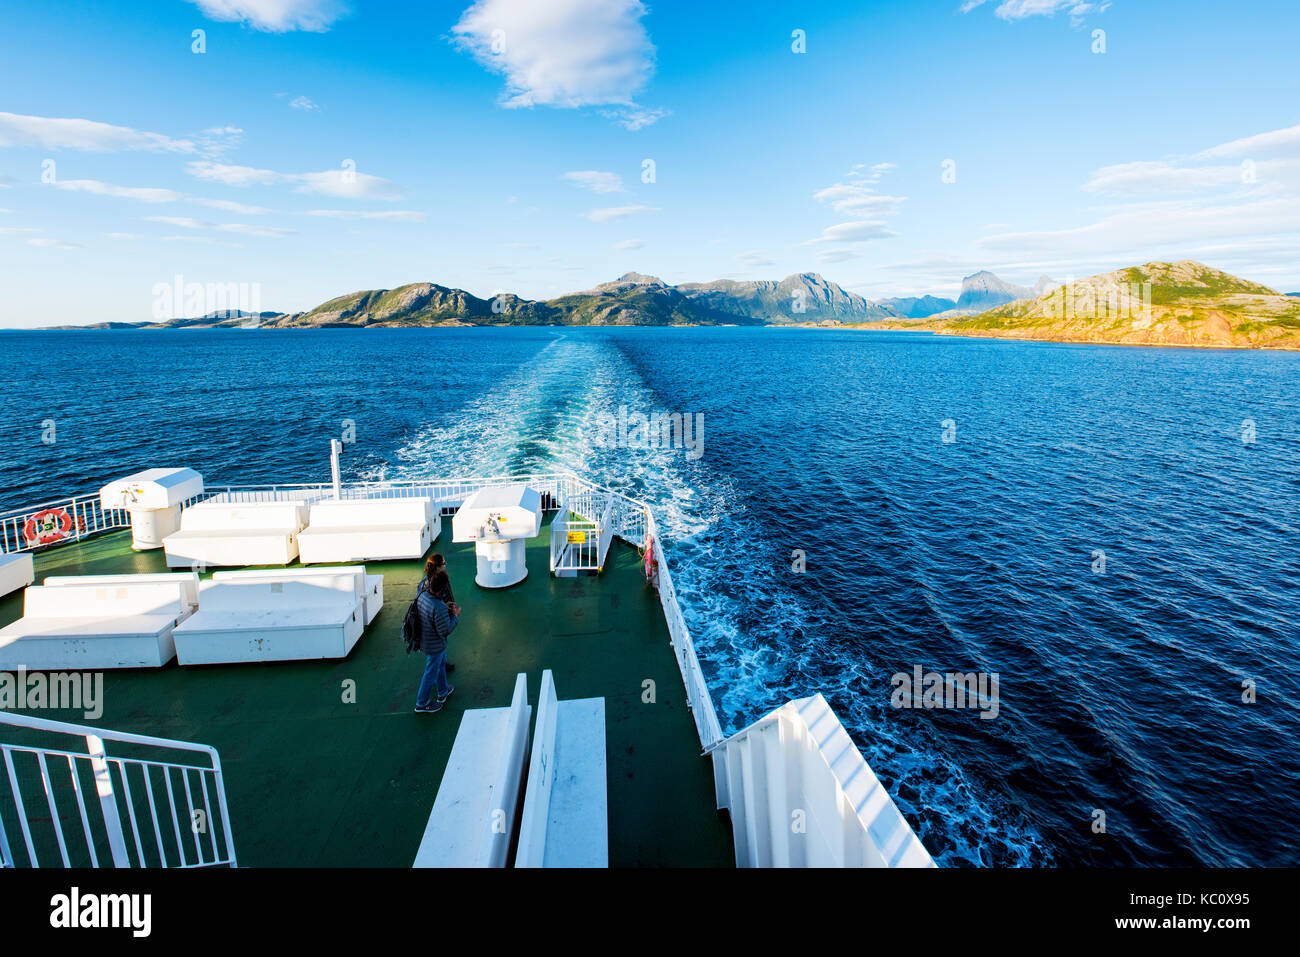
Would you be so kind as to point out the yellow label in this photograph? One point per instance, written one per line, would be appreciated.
(577, 538)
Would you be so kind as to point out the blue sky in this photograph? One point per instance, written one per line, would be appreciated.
(513, 160)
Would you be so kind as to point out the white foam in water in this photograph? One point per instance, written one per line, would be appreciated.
(542, 417)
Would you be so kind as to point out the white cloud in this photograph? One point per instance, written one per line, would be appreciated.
(219, 140)
(1174, 208)
(564, 53)
(154, 194)
(1020, 9)
(1143, 226)
(341, 183)
(53, 244)
(52, 133)
(837, 255)
(628, 244)
(850, 198)
(206, 240)
(396, 215)
(307, 104)
(1146, 176)
(11, 230)
(596, 180)
(275, 16)
(145, 194)
(270, 232)
(611, 213)
(230, 206)
(1261, 143)
(755, 260)
(636, 118)
(863, 230)
(187, 222)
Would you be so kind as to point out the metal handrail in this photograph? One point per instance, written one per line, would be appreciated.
(113, 830)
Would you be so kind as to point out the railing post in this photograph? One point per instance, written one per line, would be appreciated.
(220, 786)
(107, 800)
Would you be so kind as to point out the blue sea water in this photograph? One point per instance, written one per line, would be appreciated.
(1119, 692)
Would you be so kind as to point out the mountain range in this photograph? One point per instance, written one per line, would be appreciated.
(1159, 303)
(1185, 303)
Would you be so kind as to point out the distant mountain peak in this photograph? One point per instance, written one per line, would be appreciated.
(984, 290)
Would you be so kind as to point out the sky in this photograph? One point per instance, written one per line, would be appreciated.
(305, 149)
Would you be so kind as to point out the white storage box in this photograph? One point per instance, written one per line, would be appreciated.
(188, 582)
(240, 621)
(214, 534)
(93, 627)
(17, 570)
(369, 589)
(359, 530)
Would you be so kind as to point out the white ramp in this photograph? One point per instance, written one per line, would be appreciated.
(801, 795)
(565, 821)
(473, 817)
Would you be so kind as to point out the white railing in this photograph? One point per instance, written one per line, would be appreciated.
(621, 516)
(185, 800)
(697, 689)
(582, 531)
(66, 520)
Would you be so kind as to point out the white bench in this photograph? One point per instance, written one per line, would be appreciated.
(218, 533)
(92, 627)
(188, 582)
(369, 589)
(240, 621)
(358, 530)
(473, 816)
(565, 821)
(17, 570)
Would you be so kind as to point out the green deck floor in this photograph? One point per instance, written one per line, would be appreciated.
(313, 781)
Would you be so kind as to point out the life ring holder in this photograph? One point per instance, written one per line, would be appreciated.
(47, 526)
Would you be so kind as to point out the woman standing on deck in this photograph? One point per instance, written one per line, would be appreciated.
(433, 566)
(437, 621)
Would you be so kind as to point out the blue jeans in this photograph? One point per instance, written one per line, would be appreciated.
(435, 672)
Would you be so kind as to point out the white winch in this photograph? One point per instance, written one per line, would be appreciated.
(153, 499)
(499, 521)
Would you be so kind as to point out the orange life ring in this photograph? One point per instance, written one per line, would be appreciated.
(47, 527)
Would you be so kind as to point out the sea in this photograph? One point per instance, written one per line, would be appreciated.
(1110, 531)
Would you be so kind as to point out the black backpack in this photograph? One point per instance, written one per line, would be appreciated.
(411, 623)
